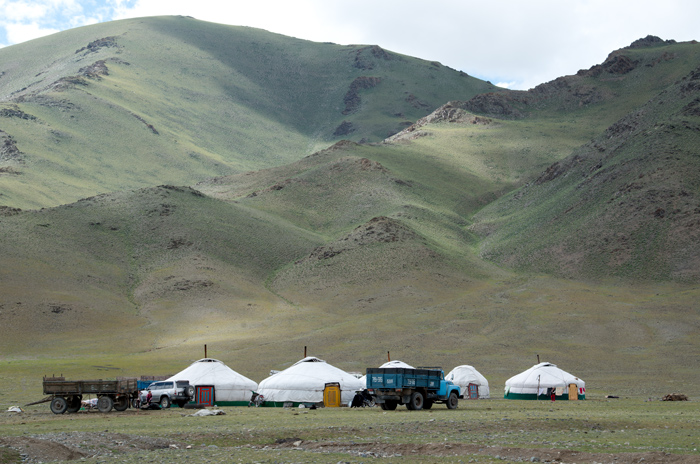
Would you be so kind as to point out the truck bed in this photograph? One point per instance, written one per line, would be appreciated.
(396, 377)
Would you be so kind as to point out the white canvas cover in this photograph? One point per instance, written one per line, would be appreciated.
(464, 375)
(228, 384)
(540, 377)
(305, 381)
(400, 364)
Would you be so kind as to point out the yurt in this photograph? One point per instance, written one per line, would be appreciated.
(540, 380)
(398, 364)
(216, 383)
(472, 384)
(310, 381)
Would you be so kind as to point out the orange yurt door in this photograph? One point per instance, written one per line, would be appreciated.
(573, 391)
(331, 395)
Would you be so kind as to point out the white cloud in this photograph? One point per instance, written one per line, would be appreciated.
(17, 33)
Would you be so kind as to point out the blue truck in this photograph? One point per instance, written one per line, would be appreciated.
(416, 388)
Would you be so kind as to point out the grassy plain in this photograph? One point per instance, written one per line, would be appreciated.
(595, 430)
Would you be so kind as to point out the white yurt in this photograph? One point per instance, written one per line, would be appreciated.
(305, 382)
(467, 375)
(229, 387)
(397, 364)
(538, 382)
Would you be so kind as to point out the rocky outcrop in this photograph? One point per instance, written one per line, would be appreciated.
(352, 97)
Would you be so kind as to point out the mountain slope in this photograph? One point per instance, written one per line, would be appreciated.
(142, 102)
(626, 204)
(360, 249)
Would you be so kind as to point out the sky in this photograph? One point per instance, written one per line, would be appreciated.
(516, 44)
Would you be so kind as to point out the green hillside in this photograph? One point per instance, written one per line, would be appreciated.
(141, 102)
(626, 204)
(489, 228)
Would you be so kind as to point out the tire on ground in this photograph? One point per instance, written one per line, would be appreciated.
(59, 405)
(390, 405)
(74, 403)
(122, 403)
(452, 401)
(416, 401)
(105, 404)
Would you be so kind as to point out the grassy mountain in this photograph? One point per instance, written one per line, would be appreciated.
(626, 204)
(141, 102)
(437, 243)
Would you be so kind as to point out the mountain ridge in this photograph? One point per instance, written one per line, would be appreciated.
(423, 245)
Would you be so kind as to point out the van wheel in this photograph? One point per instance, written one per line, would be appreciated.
(165, 402)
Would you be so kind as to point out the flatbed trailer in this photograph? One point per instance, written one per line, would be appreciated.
(66, 395)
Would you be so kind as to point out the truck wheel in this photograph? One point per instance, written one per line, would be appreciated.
(427, 404)
(59, 405)
(390, 405)
(452, 401)
(165, 402)
(416, 401)
(74, 404)
(122, 403)
(105, 404)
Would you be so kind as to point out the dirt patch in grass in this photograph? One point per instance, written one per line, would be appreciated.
(385, 450)
(70, 446)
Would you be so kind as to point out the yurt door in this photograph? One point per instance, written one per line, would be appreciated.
(204, 395)
(573, 391)
(331, 395)
(473, 391)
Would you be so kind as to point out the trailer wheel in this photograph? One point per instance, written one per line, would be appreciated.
(74, 403)
(416, 401)
(59, 405)
(122, 403)
(105, 404)
(452, 401)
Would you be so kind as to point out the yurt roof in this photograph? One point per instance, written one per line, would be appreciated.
(310, 371)
(209, 371)
(544, 375)
(398, 364)
(305, 381)
(466, 374)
